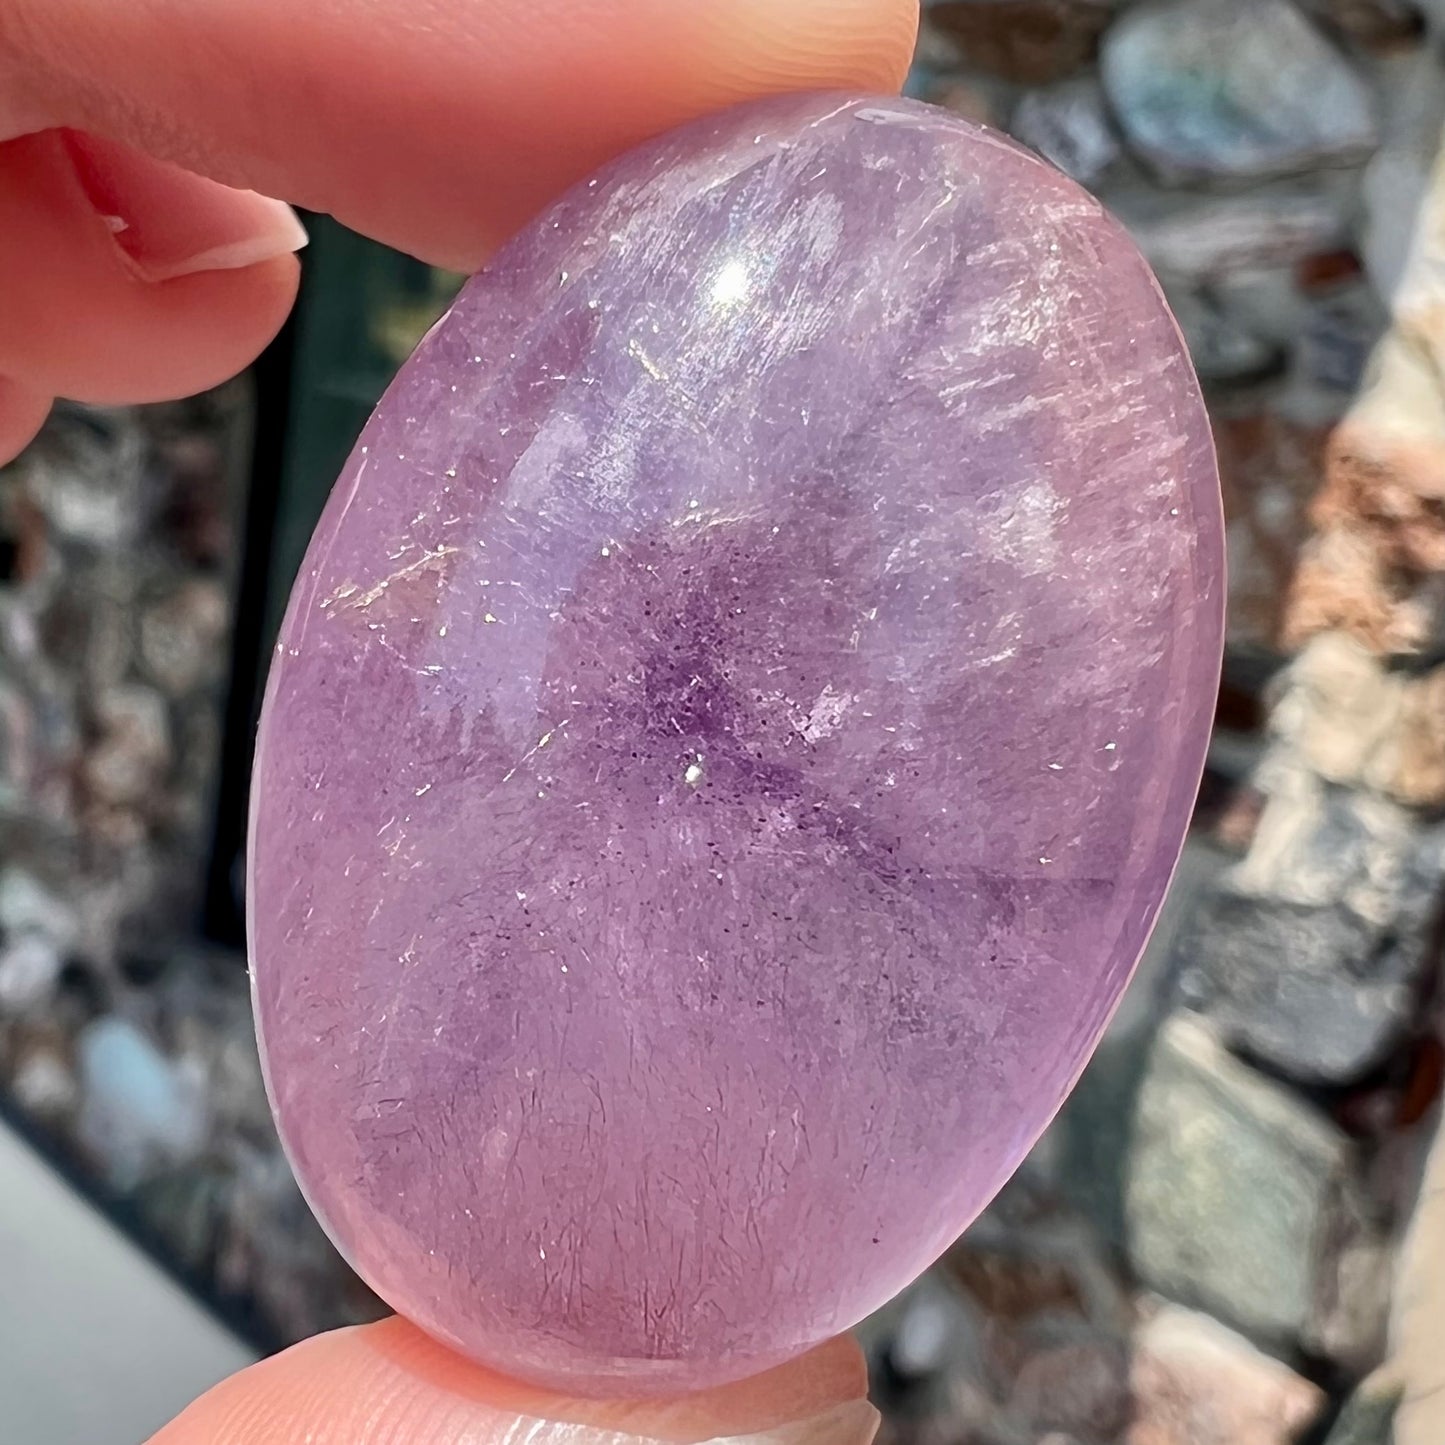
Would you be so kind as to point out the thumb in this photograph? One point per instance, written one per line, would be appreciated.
(389, 1384)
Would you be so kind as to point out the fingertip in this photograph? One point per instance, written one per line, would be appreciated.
(22, 414)
(82, 320)
(816, 1383)
(169, 222)
(383, 1383)
(764, 47)
(439, 138)
(186, 334)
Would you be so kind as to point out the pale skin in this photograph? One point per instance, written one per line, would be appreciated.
(142, 257)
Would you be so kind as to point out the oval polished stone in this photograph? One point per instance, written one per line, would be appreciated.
(730, 740)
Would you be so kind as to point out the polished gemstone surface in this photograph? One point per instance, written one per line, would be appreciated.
(729, 741)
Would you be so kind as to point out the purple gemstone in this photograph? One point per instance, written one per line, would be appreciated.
(730, 740)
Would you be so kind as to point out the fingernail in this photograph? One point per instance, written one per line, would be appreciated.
(168, 222)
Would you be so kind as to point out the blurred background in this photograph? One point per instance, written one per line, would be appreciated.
(1235, 1233)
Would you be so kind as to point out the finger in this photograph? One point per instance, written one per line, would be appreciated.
(435, 128)
(123, 279)
(388, 1383)
(22, 413)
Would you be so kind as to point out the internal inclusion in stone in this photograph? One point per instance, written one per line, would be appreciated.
(730, 740)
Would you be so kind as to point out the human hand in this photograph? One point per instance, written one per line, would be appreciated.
(437, 126)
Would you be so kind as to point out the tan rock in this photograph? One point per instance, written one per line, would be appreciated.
(1197, 1383)
(1338, 709)
(1352, 720)
(1419, 772)
(1374, 568)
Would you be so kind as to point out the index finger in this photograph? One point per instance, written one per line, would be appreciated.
(436, 126)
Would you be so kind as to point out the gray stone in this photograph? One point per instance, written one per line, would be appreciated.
(1234, 1189)
(1375, 24)
(1039, 1268)
(1341, 327)
(935, 1332)
(1092, 1137)
(1316, 1022)
(1224, 351)
(28, 906)
(1194, 239)
(1379, 860)
(1069, 124)
(86, 472)
(134, 750)
(926, 1357)
(1266, 299)
(935, 50)
(16, 745)
(1306, 955)
(1234, 90)
(1080, 1386)
(1046, 1346)
(29, 968)
(1398, 175)
(981, 98)
(1368, 1417)
(1031, 42)
(1350, 1315)
(186, 1208)
(138, 1110)
(183, 636)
